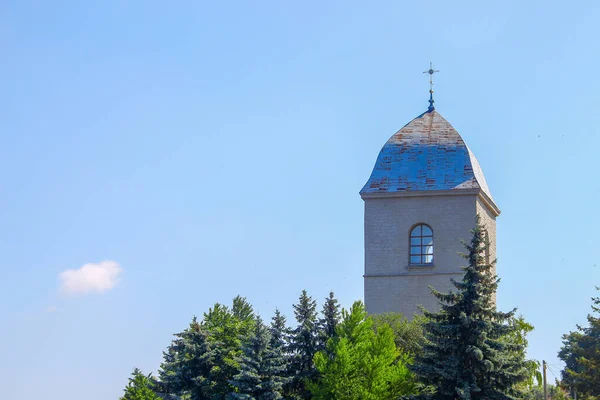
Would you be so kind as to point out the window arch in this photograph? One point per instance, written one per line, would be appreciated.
(421, 245)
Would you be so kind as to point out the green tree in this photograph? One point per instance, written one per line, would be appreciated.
(302, 346)
(243, 311)
(518, 335)
(227, 329)
(555, 392)
(537, 393)
(330, 317)
(262, 368)
(187, 364)
(361, 363)
(140, 387)
(279, 331)
(466, 354)
(202, 359)
(408, 334)
(568, 355)
(581, 354)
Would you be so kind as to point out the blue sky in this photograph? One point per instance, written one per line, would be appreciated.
(214, 149)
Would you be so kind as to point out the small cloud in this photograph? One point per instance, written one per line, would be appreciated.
(51, 309)
(93, 277)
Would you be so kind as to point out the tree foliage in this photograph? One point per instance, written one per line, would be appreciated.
(221, 356)
(408, 334)
(555, 392)
(262, 368)
(188, 364)
(279, 331)
(227, 328)
(468, 350)
(302, 346)
(140, 387)
(360, 363)
(518, 335)
(467, 353)
(581, 355)
(202, 359)
(330, 317)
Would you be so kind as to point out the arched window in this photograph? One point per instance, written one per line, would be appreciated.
(421, 245)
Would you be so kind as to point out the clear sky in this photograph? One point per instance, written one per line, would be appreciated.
(209, 149)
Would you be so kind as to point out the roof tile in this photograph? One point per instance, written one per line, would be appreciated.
(426, 154)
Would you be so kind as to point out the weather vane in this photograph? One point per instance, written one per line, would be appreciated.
(431, 71)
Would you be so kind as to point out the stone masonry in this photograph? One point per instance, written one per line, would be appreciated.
(391, 283)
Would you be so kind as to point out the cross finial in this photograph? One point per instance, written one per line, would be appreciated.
(431, 71)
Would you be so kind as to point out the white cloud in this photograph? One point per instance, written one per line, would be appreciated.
(93, 277)
(51, 309)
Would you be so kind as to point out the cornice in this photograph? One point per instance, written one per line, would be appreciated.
(414, 273)
(487, 201)
(421, 193)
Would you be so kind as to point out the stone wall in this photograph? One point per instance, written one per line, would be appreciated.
(391, 284)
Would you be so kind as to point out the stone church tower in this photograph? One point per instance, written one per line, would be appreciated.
(421, 199)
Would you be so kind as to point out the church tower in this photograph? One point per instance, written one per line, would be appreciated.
(421, 199)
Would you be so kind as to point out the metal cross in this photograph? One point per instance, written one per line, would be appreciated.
(431, 71)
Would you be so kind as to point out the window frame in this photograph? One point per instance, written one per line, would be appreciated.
(422, 256)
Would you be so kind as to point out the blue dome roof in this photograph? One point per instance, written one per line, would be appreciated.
(427, 154)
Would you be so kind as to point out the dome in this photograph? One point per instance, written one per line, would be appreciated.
(427, 154)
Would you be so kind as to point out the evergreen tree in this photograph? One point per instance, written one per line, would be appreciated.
(261, 368)
(227, 329)
(467, 354)
(279, 331)
(280, 336)
(361, 363)
(188, 362)
(203, 359)
(140, 387)
(570, 354)
(244, 314)
(303, 344)
(330, 319)
(581, 354)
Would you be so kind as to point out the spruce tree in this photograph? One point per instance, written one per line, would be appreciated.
(188, 362)
(303, 344)
(468, 353)
(329, 320)
(261, 367)
(280, 336)
(279, 331)
(140, 387)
